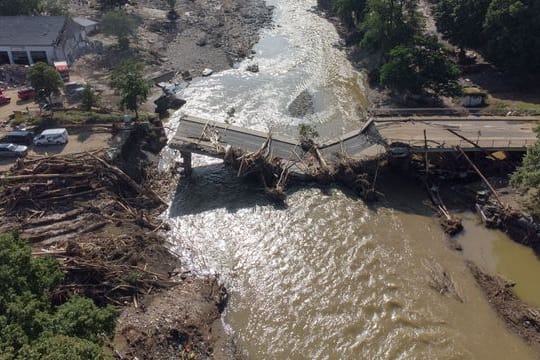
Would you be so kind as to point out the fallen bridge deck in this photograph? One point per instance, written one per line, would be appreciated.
(204, 137)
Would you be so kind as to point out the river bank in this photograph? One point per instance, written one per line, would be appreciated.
(461, 190)
(201, 35)
(98, 214)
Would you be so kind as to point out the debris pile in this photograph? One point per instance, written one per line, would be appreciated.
(94, 218)
(35, 185)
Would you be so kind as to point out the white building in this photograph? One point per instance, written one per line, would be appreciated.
(29, 39)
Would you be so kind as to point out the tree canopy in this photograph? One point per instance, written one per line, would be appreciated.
(461, 21)
(89, 99)
(389, 23)
(350, 11)
(32, 7)
(128, 80)
(45, 79)
(32, 328)
(528, 174)
(512, 32)
(421, 67)
(506, 32)
(120, 25)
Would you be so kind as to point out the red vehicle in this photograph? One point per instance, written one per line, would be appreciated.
(4, 99)
(26, 93)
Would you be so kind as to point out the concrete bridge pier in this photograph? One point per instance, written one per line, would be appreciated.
(186, 160)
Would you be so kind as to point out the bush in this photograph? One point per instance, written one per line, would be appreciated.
(32, 328)
(421, 67)
(62, 347)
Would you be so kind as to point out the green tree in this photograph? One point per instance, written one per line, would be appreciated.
(120, 25)
(31, 327)
(45, 80)
(62, 347)
(528, 176)
(461, 21)
(53, 7)
(350, 11)
(512, 31)
(421, 67)
(19, 7)
(79, 317)
(389, 23)
(172, 9)
(133, 89)
(172, 4)
(89, 98)
(112, 3)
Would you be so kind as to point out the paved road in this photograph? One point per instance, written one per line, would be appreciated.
(450, 119)
(190, 132)
(491, 134)
(193, 135)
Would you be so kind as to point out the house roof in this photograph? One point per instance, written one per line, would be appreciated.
(30, 30)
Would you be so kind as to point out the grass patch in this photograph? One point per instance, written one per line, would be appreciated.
(501, 106)
(74, 118)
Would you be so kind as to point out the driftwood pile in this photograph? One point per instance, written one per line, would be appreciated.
(274, 172)
(270, 170)
(113, 270)
(94, 218)
(37, 185)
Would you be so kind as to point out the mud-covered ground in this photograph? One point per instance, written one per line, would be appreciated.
(181, 323)
(204, 34)
(522, 319)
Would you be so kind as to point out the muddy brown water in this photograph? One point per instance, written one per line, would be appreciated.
(326, 277)
(497, 253)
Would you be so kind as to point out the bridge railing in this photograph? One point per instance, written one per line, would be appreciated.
(502, 144)
(457, 111)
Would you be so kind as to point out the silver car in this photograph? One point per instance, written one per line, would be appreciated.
(12, 150)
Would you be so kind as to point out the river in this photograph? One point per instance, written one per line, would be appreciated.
(327, 277)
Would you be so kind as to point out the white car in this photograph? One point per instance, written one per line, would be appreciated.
(12, 150)
(52, 137)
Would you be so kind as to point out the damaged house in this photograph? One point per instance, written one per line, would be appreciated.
(28, 39)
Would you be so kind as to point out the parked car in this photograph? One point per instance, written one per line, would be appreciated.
(12, 150)
(73, 88)
(19, 137)
(26, 93)
(52, 137)
(4, 99)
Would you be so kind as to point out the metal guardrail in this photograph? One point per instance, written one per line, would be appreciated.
(458, 111)
(510, 145)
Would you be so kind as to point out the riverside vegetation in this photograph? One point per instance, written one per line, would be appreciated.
(505, 32)
(35, 325)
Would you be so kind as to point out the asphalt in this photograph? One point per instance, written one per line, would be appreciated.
(190, 130)
(490, 133)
